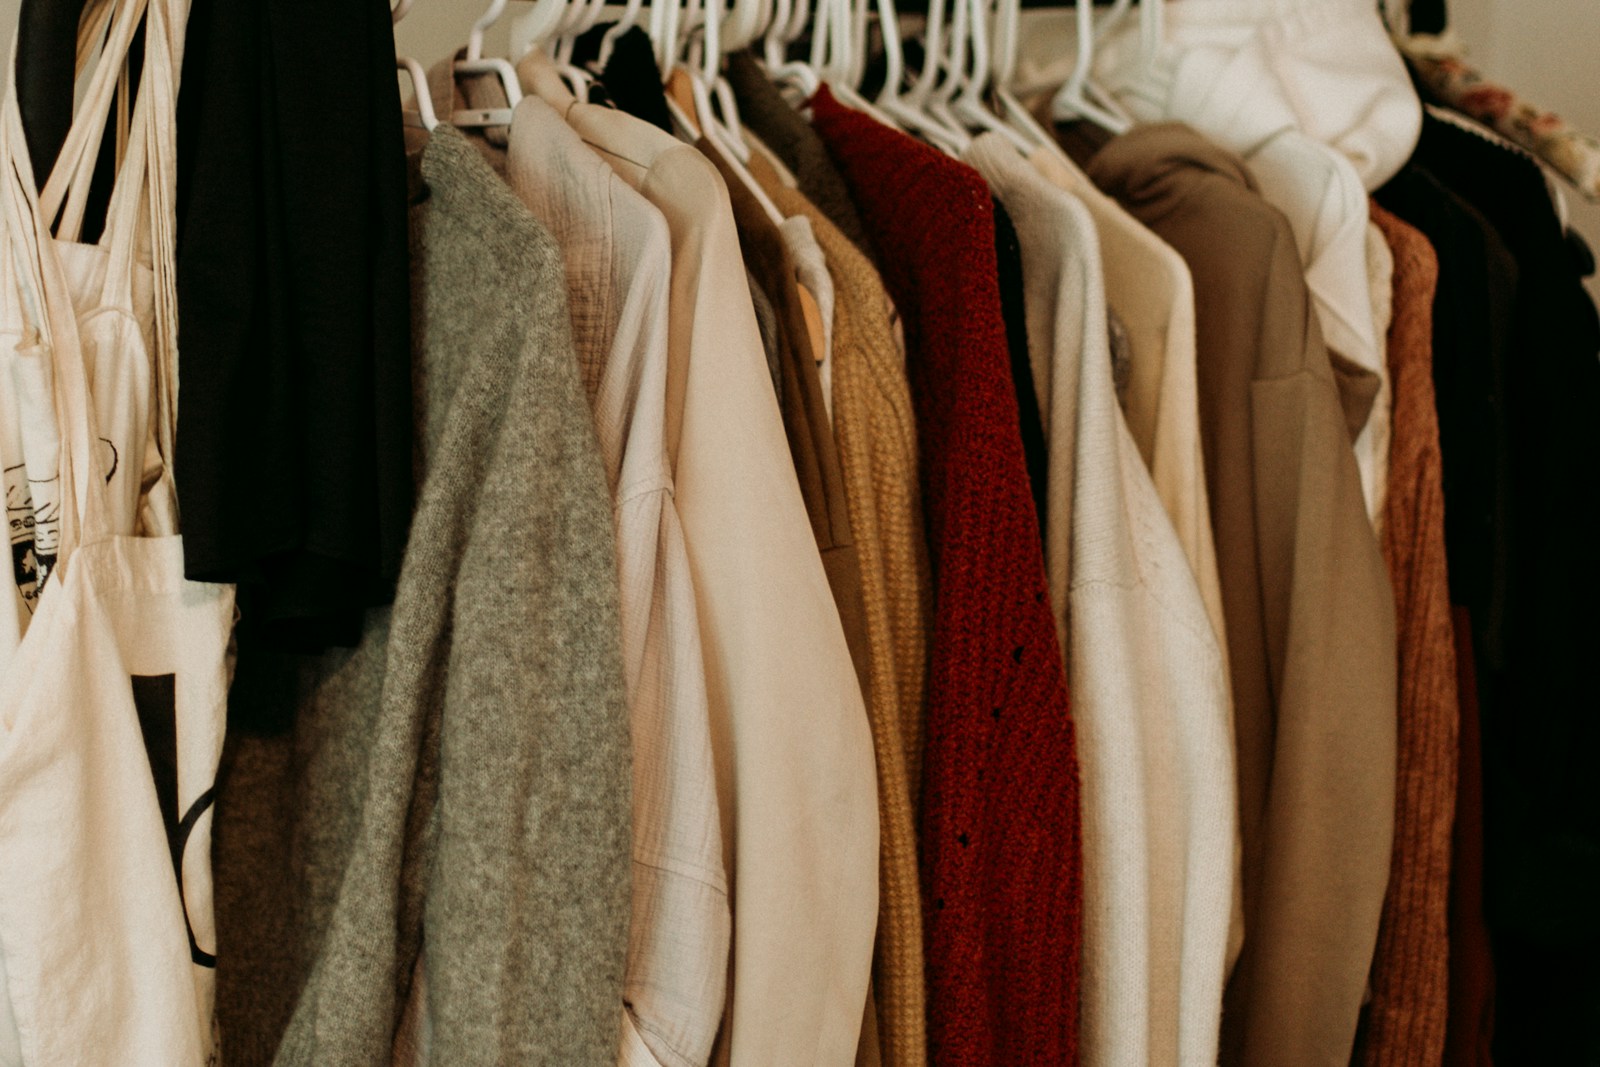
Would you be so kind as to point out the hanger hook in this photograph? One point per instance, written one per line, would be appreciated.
(479, 28)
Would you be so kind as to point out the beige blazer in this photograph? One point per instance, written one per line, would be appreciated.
(795, 778)
(1310, 612)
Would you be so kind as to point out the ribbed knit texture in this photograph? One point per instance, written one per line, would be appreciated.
(1469, 1036)
(1411, 968)
(877, 434)
(1001, 870)
(1472, 313)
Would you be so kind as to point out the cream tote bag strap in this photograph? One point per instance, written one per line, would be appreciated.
(138, 227)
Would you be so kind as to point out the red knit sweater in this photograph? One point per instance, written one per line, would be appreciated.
(1000, 862)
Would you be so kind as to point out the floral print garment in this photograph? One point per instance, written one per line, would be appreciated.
(1454, 83)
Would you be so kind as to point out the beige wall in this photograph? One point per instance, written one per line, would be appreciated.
(435, 28)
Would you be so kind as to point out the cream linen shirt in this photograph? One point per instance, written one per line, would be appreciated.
(797, 786)
(618, 258)
(1148, 679)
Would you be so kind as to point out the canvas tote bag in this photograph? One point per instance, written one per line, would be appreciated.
(112, 707)
(29, 435)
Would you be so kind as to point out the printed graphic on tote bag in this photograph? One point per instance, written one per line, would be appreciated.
(46, 497)
(20, 525)
(33, 515)
(155, 698)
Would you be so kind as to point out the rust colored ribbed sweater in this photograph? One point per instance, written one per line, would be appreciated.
(1411, 968)
(1001, 878)
(1469, 1039)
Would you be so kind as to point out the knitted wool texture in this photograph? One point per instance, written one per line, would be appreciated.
(503, 721)
(877, 434)
(1001, 877)
(1411, 969)
(1472, 312)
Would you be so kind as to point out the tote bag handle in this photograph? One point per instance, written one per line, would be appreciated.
(142, 196)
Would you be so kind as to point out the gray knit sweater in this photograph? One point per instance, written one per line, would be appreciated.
(459, 784)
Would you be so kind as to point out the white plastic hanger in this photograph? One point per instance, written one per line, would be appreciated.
(790, 21)
(540, 23)
(774, 42)
(701, 76)
(577, 17)
(909, 110)
(474, 63)
(1008, 21)
(726, 109)
(838, 46)
(951, 71)
(608, 42)
(1080, 97)
(704, 79)
(860, 33)
(1150, 22)
(933, 30)
(422, 117)
(838, 51)
(744, 22)
(971, 106)
(848, 58)
(847, 88)
(665, 16)
(737, 30)
(1112, 18)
